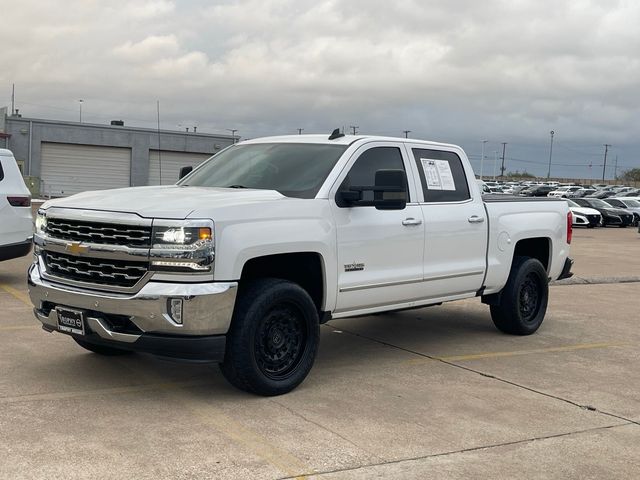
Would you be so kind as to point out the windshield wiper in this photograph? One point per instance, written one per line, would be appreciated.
(237, 186)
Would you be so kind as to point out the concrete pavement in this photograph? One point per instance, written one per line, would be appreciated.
(430, 393)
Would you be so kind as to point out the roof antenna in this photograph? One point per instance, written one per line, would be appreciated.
(336, 134)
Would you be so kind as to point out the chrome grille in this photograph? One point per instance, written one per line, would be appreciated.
(101, 233)
(95, 270)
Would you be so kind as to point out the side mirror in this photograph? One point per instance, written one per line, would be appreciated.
(184, 171)
(389, 192)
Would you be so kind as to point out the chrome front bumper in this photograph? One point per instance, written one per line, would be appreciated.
(207, 307)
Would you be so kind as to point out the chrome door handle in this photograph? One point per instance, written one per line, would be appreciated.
(475, 219)
(411, 221)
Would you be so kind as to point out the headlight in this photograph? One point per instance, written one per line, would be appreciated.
(180, 236)
(182, 246)
(41, 222)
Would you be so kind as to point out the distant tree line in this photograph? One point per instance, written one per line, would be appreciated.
(518, 174)
(631, 175)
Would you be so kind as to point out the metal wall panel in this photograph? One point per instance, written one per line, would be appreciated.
(68, 168)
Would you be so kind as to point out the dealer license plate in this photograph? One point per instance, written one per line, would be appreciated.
(70, 321)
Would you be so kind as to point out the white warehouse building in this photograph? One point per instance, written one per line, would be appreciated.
(61, 158)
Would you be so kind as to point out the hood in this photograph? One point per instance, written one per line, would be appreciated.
(584, 210)
(615, 211)
(169, 201)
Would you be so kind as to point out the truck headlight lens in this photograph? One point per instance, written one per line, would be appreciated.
(41, 222)
(182, 246)
(164, 236)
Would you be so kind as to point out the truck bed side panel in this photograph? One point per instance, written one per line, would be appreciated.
(514, 219)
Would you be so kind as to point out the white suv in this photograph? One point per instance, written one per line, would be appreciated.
(16, 223)
(564, 191)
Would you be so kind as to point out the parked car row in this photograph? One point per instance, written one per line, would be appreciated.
(594, 212)
(592, 205)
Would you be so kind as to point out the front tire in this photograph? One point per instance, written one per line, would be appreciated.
(523, 300)
(273, 339)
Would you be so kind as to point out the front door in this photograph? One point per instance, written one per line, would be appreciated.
(379, 251)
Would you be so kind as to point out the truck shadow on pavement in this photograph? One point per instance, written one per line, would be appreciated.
(347, 346)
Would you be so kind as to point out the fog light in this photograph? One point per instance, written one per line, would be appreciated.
(175, 309)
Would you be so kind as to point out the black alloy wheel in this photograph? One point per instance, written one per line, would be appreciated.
(280, 341)
(529, 297)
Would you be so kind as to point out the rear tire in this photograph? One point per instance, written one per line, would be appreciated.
(273, 339)
(101, 349)
(523, 300)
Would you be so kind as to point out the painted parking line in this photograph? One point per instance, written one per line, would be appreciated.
(22, 296)
(515, 353)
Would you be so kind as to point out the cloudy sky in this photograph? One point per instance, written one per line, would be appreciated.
(449, 70)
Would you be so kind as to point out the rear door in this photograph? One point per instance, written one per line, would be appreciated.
(455, 224)
(379, 251)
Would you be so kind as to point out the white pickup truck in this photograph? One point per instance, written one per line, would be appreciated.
(242, 259)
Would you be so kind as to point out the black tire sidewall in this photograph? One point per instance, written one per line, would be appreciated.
(507, 315)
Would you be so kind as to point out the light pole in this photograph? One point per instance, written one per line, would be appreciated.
(604, 167)
(482, 157)
(80, 102)
(495, 164)
(406, 133)
(233, 133)
(552, 133)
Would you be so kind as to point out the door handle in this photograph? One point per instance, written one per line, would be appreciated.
(475, 219)
(411, 221)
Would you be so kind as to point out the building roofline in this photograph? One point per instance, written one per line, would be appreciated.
(10, 118)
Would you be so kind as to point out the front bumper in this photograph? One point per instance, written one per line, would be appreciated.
(141, 321)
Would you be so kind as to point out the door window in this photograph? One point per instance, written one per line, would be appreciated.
(363, 171)
(442, 176)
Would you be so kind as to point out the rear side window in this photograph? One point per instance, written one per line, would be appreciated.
(442, 176)
(363, 171)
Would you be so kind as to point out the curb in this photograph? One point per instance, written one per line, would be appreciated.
(595, 280)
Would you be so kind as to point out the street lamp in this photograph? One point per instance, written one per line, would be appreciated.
(80, 102)
(552, 133)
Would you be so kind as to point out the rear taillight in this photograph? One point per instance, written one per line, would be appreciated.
(569, 227)
(19, 201)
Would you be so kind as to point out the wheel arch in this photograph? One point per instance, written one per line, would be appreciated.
(306, 269)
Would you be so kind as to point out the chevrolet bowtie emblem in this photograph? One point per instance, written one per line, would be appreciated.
(76, 248)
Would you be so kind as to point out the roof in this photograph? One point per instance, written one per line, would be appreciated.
(344, 140)
(6, 153)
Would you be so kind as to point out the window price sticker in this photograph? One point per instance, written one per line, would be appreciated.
(438, 174)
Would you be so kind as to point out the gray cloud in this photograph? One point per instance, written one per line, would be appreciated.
(453, 70)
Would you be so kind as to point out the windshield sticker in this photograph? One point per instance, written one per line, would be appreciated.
(438, 174)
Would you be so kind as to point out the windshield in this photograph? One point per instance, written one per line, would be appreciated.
(573, 204)
(293, 169)
(632, 203)
(599, 203)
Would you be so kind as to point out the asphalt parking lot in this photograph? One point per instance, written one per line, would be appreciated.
(430, 393)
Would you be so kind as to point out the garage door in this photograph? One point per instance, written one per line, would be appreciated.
(172, 162)
(67, 169)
